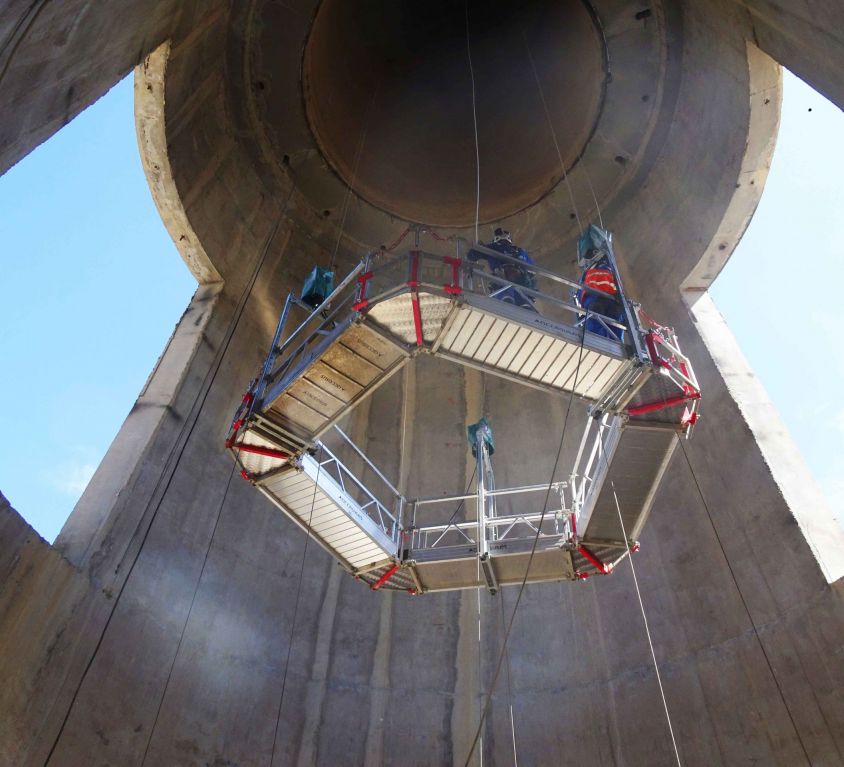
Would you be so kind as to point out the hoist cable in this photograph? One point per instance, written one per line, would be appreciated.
(189, 613)
(475, 123)
(509, 689)
(644, 616)
(172, 462)
(296, 607)
(350, 187)
(603, 454)
(553, 132)
(744, 602)
(480, 663)
(592, 192)
(507, 633)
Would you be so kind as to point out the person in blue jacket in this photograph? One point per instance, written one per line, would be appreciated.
(516, 273)
(593, 249)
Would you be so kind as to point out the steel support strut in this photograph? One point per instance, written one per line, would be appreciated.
(385, 577)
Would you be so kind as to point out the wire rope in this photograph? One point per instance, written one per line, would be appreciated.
(605, 459)
(509, 689)
(171, 464)
(509, 629)
(350, 187)
(189, 613)
(475, 124)
(296, 608)
(744, 602)
(553, 132)
(592, 192)
(644, 616)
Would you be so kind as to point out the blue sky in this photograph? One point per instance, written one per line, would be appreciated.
(93, 287)
(770, 290)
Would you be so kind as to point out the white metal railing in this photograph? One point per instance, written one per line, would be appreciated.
(377, 511)
(423, 535)
(378, 278)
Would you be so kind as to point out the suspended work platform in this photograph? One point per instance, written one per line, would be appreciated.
(380, 317)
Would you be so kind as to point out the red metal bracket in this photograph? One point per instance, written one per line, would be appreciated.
(689, 418)
(417, 318)
(413, 282)
(650, 407)
(597, 563)
(257, 450)
(454, 289)
(362, 301)
(385, 577)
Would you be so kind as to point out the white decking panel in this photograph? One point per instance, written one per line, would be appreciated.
(329, 520)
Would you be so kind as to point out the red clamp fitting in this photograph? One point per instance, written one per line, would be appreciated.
(362, 301)
(454, 289)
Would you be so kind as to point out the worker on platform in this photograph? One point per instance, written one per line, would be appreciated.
(516, 273)
(593, 257)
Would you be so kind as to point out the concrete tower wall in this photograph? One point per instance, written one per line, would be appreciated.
(182, 620)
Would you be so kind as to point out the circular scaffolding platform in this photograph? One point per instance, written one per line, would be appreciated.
(642, 396)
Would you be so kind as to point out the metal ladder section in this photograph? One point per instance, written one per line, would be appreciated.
(383, 314)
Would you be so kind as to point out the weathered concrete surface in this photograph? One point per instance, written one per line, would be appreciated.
(181, 620)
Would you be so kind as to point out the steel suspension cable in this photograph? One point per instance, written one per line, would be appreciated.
(480, 664)
(173, 460)
(641, 602)
(296, 608)
(509, 629)
(350, 188)
(744, 602)
(179, 644)
(475, 123)
(645, 620)
(553, 133)
(509, 688)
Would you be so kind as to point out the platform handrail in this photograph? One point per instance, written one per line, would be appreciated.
(327, 313)
(329, 460)
(468, 271)
(421, 535)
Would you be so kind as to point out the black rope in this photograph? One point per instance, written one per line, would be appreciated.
(295, 610)
(641, 602)
(501, 655)
(509, 688)
(744, 603)
(165, 479)
(187, 617)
